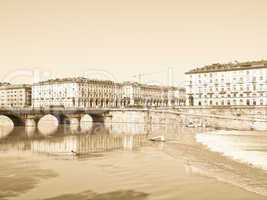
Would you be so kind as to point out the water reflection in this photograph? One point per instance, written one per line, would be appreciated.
(6, 126)
(86, 124)
(84, 137)
(48, 125)
(30, 131)
(50, 138)
(73, 144)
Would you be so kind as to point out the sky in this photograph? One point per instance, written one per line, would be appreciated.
(118, 39)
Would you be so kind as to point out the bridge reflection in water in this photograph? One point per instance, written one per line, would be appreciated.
(61, 140)
(52, 138)
(74, 144)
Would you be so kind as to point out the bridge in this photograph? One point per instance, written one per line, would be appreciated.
(31, 116)
(123, 120)
(145, 120)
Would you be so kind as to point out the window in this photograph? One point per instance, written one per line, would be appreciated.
(254, 87)
(254, 79)
(234, 102)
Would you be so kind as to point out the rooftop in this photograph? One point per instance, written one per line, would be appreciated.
(74, 80)
(216, 67)
(150, 86)
(15, 86)
(85, 80)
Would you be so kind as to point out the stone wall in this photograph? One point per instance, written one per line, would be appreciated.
(139, 121)
(256, 112)
(239, 118)
(158, 122)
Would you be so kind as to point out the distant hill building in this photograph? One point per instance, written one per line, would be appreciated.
(228, 84)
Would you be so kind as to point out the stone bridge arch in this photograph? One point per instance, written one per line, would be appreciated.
(62, 119)
(16, 119)
(98, 121)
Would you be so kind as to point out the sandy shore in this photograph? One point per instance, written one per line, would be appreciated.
(177, 169)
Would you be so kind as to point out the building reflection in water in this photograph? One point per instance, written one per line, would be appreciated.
(84, 144)
(74, 144)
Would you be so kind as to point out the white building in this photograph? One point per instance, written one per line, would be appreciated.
(74, 93)
(85, 93)
(228, 84)
(144, 95)
(15, 96)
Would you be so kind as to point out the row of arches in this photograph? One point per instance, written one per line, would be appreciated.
(50, 124)
(58, 118)
(118, 103)
(227, 102)
(102, 103)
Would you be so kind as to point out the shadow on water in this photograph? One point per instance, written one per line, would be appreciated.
(116, 195)
(18, 176)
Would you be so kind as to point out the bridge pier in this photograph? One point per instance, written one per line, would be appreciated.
(30, 122)
(108, 122)
(75, 122)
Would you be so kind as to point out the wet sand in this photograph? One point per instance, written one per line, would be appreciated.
(177, 169)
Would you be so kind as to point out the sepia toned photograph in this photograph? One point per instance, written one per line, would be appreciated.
(133, 100)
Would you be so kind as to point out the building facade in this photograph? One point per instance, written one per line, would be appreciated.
(234, 84)
(15, 96)
(74, 92)
(86, 93)
(142, 95)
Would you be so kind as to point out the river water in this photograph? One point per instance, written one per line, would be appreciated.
(53, 163)
(247, 146)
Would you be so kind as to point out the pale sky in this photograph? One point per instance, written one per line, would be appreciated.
(117, 39)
